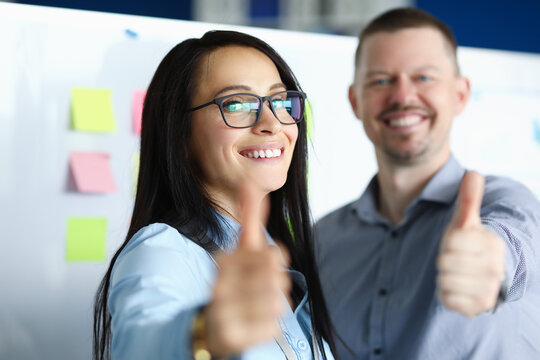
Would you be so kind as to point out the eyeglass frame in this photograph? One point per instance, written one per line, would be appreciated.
(219, 102)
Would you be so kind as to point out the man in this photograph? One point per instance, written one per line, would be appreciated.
(427, 264)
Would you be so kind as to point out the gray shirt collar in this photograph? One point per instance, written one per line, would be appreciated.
(442, 188)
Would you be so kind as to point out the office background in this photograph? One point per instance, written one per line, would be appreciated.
(495, 24)
(47, 279)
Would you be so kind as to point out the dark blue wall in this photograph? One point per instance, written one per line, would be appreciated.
(496, 24)
(174, 9)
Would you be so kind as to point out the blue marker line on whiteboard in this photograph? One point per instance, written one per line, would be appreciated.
(536, 130)
(131, 33)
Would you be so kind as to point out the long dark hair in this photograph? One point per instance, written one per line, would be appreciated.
(169, 187)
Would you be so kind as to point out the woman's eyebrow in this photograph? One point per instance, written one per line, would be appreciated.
(247, 88)
(232, 87)
(277, 86)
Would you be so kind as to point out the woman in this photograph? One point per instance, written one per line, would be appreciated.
(221, 112)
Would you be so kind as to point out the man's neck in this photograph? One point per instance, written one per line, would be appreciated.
(399, 185)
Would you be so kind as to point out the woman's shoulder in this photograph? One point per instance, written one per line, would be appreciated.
(160, 236)
(160, 249)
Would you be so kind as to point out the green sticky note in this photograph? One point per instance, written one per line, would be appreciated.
(86, 239)
(308, 113)
(91, 110)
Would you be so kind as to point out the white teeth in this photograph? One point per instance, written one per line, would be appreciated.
(268, 153)
(405, 121)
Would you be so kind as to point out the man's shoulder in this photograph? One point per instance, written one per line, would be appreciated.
(499, 189)
(337, 216)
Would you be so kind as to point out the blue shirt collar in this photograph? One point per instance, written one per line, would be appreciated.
(442, 188)
(232, 229)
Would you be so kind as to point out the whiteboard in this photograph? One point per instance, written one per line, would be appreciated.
(46, 302)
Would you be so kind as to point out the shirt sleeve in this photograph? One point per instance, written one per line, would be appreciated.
(155, 295)
(512, 212)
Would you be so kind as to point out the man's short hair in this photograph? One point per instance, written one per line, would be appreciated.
(406, 18)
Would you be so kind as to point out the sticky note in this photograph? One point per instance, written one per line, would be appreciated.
(308, 114)
(85, 239)
(91, 110)
(92, 172)
(138, 102)
(135, 161)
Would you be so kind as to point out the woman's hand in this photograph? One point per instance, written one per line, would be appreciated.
(249, 291)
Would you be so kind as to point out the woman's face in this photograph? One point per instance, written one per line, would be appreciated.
(222, 152)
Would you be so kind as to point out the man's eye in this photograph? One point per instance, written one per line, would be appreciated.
(423, 78)
(379, 82)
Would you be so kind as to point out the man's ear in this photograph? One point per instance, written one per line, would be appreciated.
(463, 92)
(354, 101)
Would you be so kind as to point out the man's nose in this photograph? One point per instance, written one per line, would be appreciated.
(404, 90)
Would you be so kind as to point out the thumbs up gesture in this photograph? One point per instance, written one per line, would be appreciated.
(471, 258)
(248, 294)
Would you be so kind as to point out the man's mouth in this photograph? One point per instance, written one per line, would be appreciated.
(399, 117)
(406, 121)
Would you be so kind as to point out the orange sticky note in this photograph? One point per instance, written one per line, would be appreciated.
(138, 102)
(92, 172)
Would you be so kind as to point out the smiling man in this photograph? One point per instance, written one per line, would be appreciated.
(433, 261)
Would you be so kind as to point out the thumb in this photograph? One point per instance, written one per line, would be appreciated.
(252, 206)
(471, 192)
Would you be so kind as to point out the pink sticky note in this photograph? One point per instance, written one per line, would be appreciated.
(92, 172)
(138, 102)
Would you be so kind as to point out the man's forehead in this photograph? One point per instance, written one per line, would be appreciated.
(416, 47)
(415, 34)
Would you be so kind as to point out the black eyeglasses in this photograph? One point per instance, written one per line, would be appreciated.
(243, 110)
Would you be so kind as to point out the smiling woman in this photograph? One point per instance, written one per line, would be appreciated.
(219, 149)
(222, 131)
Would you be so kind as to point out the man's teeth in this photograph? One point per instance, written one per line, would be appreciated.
(269, 153)
(405, 121)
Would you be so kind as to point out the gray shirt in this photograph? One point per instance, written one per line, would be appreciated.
(380, 280)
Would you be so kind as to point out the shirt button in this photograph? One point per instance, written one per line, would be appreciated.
(394, 234)
(302, 345)
(382, 292)
(377, 351)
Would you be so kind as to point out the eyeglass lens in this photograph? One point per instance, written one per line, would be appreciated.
(241, 110)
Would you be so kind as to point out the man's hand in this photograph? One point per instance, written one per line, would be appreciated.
(471, 258)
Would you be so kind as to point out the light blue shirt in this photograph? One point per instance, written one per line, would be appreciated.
(158, 283)
(380, 280)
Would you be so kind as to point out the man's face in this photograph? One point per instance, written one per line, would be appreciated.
(406, 92)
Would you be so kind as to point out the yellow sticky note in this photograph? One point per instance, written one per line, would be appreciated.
(135, 161)
(86, 239)
(308, 114)
(91, 110)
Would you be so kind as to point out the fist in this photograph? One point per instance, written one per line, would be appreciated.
(471, 260)
(251, 287)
